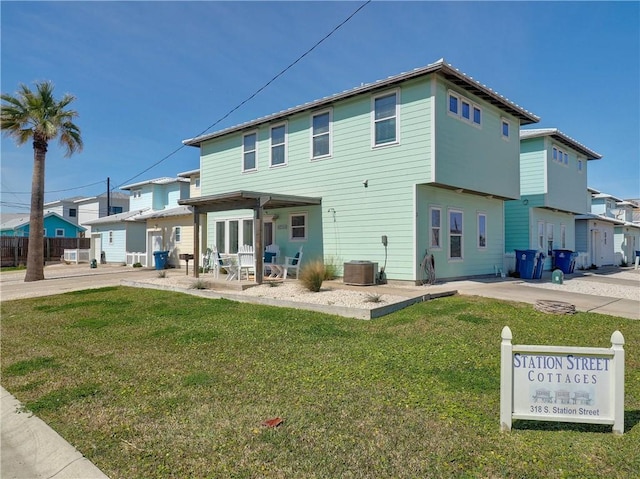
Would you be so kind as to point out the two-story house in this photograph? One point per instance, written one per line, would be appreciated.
(131, 232)
(81, 209)
(417, 163)
(553, 182)
(608, 232)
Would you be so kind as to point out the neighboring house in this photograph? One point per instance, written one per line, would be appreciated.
(424, 159)
(612, 236)
(553, 185)
(80, 209)
(55, 226)
(133, 237)
(112, 236)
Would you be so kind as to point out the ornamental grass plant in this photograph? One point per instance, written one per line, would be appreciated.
(157, 384)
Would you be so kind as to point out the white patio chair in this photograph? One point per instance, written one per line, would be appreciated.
(219, 262)
(246, 261)
(292, 263)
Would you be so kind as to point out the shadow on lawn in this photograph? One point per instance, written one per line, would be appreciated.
(631, 419)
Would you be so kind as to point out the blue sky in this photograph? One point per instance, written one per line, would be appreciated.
(148, 75)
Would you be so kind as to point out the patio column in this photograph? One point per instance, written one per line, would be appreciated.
(258, 235)
(196, 242)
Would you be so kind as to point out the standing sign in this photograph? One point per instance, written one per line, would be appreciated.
(561, 383)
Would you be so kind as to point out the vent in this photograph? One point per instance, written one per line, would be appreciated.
(360, 273)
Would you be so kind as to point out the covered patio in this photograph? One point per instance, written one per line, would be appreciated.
(242, 200)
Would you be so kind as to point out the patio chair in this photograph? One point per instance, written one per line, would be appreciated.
(292, 263)
(271, 257)
(246, 261)
(220, 262)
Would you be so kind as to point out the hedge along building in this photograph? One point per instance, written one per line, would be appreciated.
(426, 158)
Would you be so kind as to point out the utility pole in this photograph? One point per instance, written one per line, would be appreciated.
(108, 196)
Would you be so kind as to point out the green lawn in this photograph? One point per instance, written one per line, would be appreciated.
(156, 384)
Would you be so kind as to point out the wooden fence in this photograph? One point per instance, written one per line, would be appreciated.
(14, 248)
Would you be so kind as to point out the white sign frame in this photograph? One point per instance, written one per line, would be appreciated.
(562, 383)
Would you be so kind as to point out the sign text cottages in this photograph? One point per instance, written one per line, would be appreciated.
(561, 383)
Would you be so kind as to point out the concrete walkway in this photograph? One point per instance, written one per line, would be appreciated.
(30, 449)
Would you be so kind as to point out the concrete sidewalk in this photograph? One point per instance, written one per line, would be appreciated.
(32, 450)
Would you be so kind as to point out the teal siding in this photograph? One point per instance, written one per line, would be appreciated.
(476, 261)
(476, 158)
(533, 167)
(349, 224)
(517, 229)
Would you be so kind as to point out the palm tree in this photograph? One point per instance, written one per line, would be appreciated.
(36, 115)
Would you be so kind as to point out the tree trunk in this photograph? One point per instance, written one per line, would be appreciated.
(35, 254)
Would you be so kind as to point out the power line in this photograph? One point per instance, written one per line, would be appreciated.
(254, 94)
(52, 191)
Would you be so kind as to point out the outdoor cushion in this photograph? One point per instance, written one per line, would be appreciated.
(295, 258)
(269, 257)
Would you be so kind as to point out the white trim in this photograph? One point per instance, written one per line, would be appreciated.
(312, 136)
(306, 226)
(284, 144)
(255, 152)
(59, 233)
(486, 228)
(462, 100)
(431, 246)
(449, 235)
(503, 122)
(396, 141)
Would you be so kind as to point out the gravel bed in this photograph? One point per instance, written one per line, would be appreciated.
(597, 288)
(291, 291)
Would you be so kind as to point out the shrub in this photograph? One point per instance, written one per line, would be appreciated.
(312, 275)
(137, 265)
(331, 268)
(199, 284)
(373, 298)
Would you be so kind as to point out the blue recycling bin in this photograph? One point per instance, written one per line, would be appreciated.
(161, 258)
(565, 260)
(537, 274)
(526, 262)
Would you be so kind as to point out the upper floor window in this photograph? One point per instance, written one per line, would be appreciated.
(560, 156)
(249, 152)
(464, 109)
(506, 127)
(279, 145)
(580, 165)
(434, 242)
(321, 135)
(298, 226)
(136, 193)
(116, 209)
(385, 119)
(73, 212)
(196, 182)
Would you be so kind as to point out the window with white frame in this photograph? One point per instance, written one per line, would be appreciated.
(455, 234)
(136, 193)
(279, 145)
(464, 109)
(506, 127)
(177, 234)
(59, 232)
(385, 119)
(482, 230)
(196, 182)
(73, 213)
(541, 235)
(249, 151)
(563, 236)
(560, 156)
(436, 228)
(580, 165)
(321, 135)
(549, 239)
(298, 226)
(566, 158)
(247, 232)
